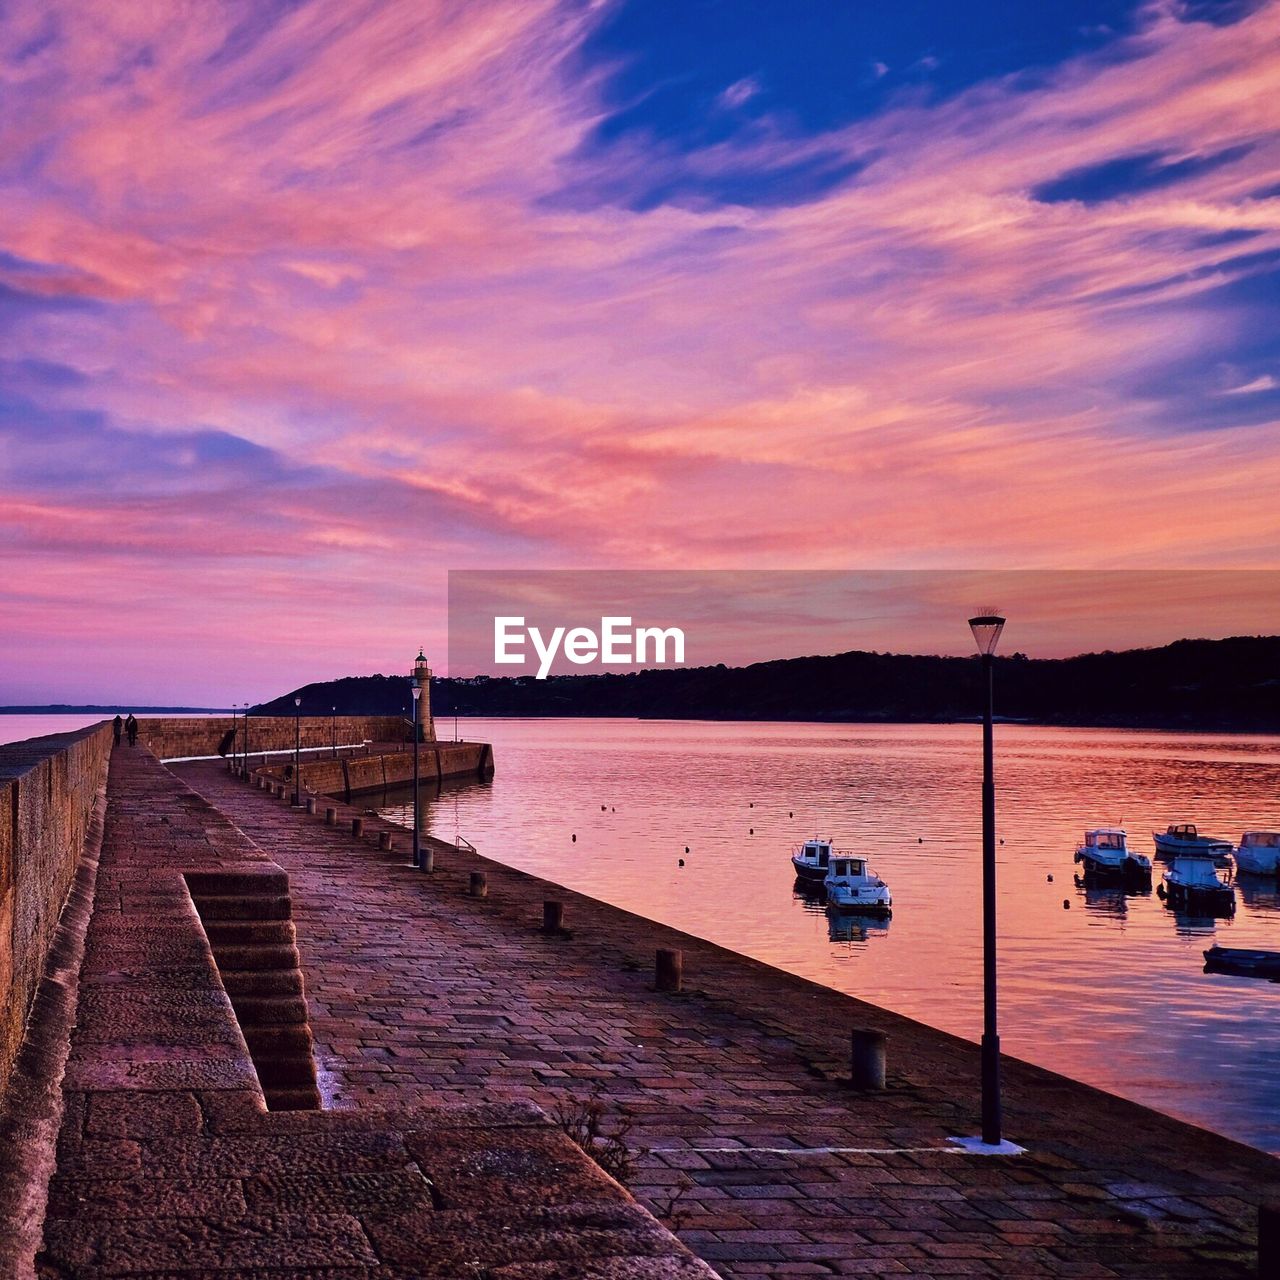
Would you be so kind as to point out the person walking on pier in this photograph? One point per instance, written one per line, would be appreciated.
(131, 728)
(116, 725)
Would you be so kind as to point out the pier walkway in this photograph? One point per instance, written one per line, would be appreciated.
(744, 1135)
(176, 955)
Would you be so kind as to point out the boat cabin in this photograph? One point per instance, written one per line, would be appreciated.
(817, 852)
(1183, 831)
(1260, 840)
(854, 867)
(1106, 838)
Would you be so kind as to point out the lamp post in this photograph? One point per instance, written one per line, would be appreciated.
(246, 734)
(416, 686)
(986, 630)
(333, 730)
(297, 750)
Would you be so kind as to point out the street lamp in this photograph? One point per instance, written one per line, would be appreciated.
(986, 628)
(297, 750)
(333, 730)
(416, 686)
(247, 705)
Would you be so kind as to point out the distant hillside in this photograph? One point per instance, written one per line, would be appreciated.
(1192, 684)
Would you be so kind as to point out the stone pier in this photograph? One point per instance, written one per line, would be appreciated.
(289, 1053)
(733, 1097)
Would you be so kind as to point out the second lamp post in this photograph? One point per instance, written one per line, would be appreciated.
(986, 630)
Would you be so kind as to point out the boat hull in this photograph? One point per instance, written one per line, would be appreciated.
(807, 872)
(1243, 963)
(1198, 901)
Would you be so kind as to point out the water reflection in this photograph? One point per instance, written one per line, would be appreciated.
(1110, 991)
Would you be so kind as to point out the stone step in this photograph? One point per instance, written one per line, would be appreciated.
(285, 1071)
(244, 907)
(228, 883)
(300, 1099)
(260, 982)
(250, 932)
(270, 1011)
(279, 1040)
(267, 956)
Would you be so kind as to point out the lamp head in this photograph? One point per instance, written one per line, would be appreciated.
(986, 628)
(417, 691)
(297, 702)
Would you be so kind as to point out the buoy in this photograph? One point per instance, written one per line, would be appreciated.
(1002, 841)
(1066, 904)
(919, 839)
(686, 848)
(602, 808)
(791, 813)
(752, 831)
(751, 804)
(574, 837)
(681, 862)
(1049, 878)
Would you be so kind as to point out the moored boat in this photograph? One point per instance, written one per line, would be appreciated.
(1258, 853)
(1106, 853)
(1193, 884)
(812, 860)
(1182, 837)
(1243, 962)
(852, 886)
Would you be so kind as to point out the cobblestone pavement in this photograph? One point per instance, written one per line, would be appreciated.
(743, 1132)
(169, 1167)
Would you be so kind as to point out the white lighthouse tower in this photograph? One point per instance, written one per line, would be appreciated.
(422, 676)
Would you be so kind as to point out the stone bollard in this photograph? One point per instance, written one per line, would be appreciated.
(428, 859)
(311, 804)
(668, 970)
(357, 828)
(331, 817)
(479, 885)
(552, 916)
(1269, 1239)
(277, 790)
(384, 841)
(866, 1059)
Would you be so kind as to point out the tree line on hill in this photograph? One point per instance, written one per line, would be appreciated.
(1231, 684)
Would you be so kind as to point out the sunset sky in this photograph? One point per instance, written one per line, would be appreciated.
(303, 304)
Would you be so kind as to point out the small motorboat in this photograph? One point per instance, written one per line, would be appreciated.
(1193, 884)
(1258, 853)
(851, 886)
(1182, 837)
(1243, 962)
(1106, 853)
(812, 860)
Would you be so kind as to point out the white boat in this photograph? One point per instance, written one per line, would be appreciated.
(1193, 884)
(851, 886)
(1182, 837)
(1258, 852)
(1106, 852)
(812, 860)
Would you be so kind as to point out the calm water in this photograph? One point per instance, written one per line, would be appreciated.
(1109, 990)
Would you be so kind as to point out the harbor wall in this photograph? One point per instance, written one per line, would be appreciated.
(48, 790)
(363, 775)
(179, 737)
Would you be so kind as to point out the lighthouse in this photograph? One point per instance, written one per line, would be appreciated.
(422, 677)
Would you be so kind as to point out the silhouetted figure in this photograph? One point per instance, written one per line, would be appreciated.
(131, 728)
(116, 726)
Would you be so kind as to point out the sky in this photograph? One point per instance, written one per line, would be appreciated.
(305, 303)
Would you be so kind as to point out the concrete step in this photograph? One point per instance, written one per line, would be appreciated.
(278, 1041)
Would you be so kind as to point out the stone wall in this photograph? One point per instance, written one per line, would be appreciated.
(176, 737)
(48, 787)
(363, 775)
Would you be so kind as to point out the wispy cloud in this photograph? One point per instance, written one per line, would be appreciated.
(312, 297)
